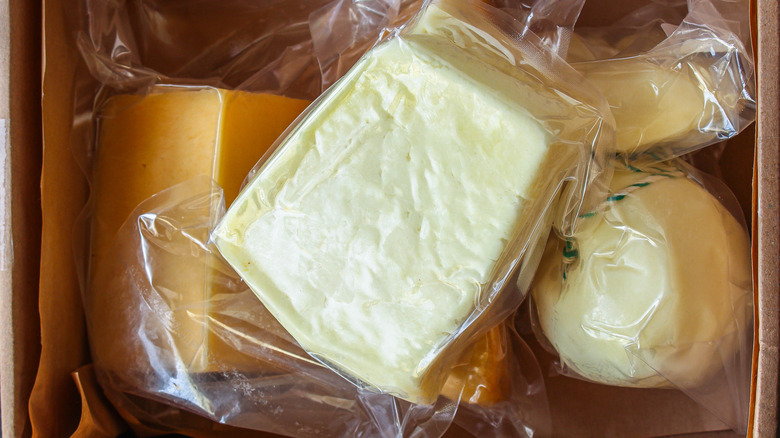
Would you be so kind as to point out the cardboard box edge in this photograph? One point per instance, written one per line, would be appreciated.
(767, 218)
(21, 250)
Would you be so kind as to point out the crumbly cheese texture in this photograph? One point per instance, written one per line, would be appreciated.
(149, 143)
(656, 287)
(373, 230)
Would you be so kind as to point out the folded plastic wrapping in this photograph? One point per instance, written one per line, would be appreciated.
(362, 24)
(552, 21)
(676, 79)
(147, 143)
(234, 44)
(147, 130)
(654, 290)
(259, 378)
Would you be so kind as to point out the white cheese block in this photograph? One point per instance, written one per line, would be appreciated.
(654, 286)
(373, 230)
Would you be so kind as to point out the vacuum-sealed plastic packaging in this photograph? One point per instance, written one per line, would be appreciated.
(674, 84)
(407, 194)
(173, 330)
(654, 290)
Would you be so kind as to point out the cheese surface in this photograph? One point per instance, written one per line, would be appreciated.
(372, 230)
(654, 286)
(651, 103)
(481, 380)
(671, 95)
(149, 143)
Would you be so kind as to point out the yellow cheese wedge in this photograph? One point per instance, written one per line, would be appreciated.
(482, 380)
(149, 143)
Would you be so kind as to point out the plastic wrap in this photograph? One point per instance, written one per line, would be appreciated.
(674, 84)
(258, 378)
(404, 233)
(362, 24)
(552, 21)
(176, 337)
(235, 44)
(654, 290)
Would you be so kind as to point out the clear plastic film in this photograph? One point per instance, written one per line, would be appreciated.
(677, 79)
(177, 339)
(362, 24)
(242, 368)
(552, 21)
(654, 290)
(235, 44)
(223, 357)
(404, 230)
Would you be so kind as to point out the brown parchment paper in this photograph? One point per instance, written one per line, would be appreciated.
(54, 403)
(98, 419)
(20, 149)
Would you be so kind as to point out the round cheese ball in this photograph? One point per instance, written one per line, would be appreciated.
(654, 289)
(664, 97)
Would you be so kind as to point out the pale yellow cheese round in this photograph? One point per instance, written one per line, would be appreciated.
(655, 285)
(664, 96)
(651, 103)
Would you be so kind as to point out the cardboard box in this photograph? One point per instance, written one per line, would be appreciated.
(45, 191)
(20, 230)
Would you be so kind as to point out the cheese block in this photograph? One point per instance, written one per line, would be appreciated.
(374, 230)
(654, 287)
(481, 378)
(152, 142)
